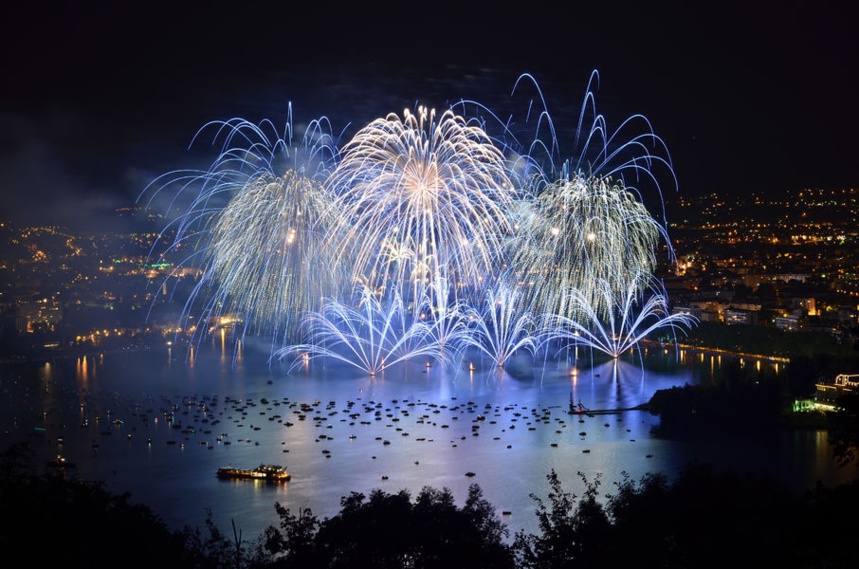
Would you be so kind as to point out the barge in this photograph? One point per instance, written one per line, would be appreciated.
(264, 472)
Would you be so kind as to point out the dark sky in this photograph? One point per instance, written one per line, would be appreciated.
(100, 97)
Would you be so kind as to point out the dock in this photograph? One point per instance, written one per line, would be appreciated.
(581, 410)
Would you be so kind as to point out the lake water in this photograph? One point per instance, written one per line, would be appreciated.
(158, 426)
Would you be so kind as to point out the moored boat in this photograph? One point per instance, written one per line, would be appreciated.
(266, 472)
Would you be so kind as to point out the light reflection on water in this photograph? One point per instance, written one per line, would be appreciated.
(159, 426)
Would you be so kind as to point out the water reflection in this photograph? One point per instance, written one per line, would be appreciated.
(181, 418)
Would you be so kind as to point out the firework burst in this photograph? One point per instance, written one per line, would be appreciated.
(500, 329)
(373, 336)
(418, 198)
(579, 233)
(459, 240)
(265, 254)
(631, 317)
(254, 227)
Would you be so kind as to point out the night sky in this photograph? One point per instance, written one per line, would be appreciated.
(99, 97)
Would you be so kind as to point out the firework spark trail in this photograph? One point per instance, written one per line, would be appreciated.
(372, 337)
(500, 329)
(535, 145)
(254, 224)
(625, 325)
(632, 153)
(443, 313)
(436, 191)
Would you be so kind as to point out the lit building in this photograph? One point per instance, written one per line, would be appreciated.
(41, 315)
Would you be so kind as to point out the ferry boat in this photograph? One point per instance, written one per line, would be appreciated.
(827, 393)
(265, 472)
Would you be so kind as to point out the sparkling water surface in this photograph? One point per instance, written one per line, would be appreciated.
(158, 426)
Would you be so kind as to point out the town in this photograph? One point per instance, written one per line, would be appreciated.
(790, 263)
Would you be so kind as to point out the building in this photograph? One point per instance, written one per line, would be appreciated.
(792, 323)
(38, 316)
(741, 316)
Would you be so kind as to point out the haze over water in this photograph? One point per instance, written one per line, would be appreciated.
(158, 426)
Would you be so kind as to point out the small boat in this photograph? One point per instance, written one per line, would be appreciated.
(265, 472)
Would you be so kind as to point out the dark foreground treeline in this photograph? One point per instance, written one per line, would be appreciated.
(698, 519)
